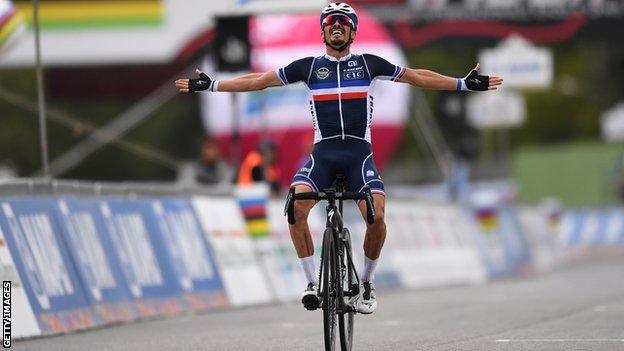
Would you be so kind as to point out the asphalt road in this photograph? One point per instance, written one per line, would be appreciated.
(577, 308)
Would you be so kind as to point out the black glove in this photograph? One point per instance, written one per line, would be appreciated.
(202, 83)
(475, 82)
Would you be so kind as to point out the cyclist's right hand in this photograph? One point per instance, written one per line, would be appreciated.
(204, 82)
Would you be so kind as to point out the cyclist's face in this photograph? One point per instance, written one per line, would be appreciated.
(337, 29)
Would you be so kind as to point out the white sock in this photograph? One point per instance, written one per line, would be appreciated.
(369, 269)
(309, 269)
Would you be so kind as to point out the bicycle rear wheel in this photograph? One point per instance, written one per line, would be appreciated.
(328, 290)
(346, 320)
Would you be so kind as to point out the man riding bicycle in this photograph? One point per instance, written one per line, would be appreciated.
(342, 100)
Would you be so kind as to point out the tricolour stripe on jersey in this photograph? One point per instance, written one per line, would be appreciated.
(399, 74)
(343, 96)
(323, 85)
(347, 83)
(341, 90)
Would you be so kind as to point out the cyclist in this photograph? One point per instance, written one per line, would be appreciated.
(342, 88)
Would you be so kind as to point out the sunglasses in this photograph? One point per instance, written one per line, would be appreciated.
(341, 19)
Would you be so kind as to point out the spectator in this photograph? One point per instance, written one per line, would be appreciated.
(212, 169)
(259, 165)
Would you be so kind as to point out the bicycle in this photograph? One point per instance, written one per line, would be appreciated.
(339, 282)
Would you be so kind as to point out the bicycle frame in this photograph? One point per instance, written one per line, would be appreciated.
(340, 239)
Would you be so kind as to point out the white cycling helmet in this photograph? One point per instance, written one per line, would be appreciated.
(340, 7)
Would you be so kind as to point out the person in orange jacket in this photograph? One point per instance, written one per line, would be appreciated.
(259, 165)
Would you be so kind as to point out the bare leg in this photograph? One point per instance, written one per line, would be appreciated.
(300, 232)
(375, 237)
(376, 232)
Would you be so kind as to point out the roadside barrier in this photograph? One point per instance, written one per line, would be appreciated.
(587, 228)
(78, 261)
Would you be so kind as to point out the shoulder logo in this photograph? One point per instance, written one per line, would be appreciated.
(370, 173)
(322, 73)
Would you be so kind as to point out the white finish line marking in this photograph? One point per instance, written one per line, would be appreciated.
(560, 340)
(390, 323)
(600, 308)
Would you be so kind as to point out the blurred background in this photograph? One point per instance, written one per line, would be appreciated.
(553, 131)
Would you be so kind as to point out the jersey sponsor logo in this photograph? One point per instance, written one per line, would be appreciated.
(359, 68)
(354, 75)
(352, 63)
(322, 73)
(304, 170)
(370, 173)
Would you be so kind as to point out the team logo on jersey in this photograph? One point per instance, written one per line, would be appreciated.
(354, 75)
(352, 63)
(322, 73)
(370, 173)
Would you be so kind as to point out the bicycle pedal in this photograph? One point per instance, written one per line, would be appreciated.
(311, 302)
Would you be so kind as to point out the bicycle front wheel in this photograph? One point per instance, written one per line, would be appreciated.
(346, 319)
(328, 290)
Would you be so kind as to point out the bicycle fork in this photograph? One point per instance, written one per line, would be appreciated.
(341, 240)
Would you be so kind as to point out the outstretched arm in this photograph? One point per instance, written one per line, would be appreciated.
(247, 82)
(431, 80)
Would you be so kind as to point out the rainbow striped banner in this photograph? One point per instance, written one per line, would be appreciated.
(10, 21)
(253, 202)
(80, 14)
(488, 219)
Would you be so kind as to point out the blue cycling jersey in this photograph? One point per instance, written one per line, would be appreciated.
(341, 90)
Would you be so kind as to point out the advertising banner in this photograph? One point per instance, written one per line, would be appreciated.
(386, 275)
(275, 6)
(499, 238)
(242, 274)
(143, 260)
(521, 63)
(614, 231)
(279, 255)
(183, 242)
(586, 228)
(612, 123)
(538, 231)
(43, 263)
(569, 232)
(428, 245)
(23, 321)
(84, 232)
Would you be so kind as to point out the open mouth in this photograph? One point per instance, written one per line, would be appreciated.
(336, 32)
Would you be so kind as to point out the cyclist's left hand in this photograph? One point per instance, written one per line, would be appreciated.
(476, 82)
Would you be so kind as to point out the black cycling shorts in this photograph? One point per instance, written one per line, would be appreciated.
(351, 157)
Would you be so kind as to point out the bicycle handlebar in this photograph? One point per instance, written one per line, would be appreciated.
(366, 195)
